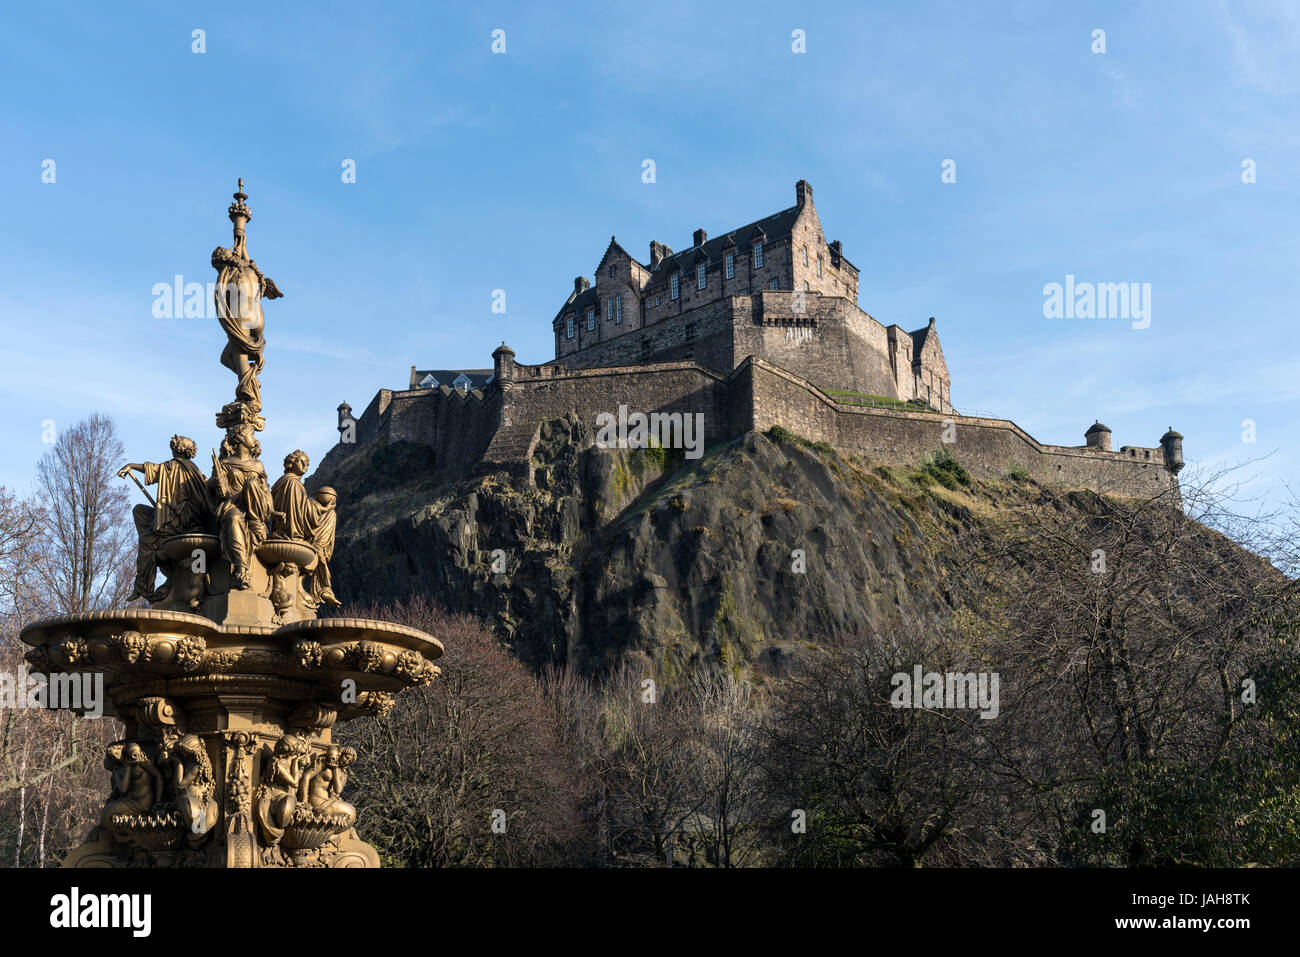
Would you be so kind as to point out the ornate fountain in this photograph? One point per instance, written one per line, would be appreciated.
(228, 683)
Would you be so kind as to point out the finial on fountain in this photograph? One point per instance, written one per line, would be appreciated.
(239, 212)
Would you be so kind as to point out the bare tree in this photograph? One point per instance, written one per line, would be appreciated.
(650, 745)
(1125, 632)
(875, 783)
(732, 813)
(468, 771)
(86, 539)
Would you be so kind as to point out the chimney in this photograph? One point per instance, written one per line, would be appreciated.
(837, 252)
(656, 252)
(580, 284)
(802, 193)
(700, 237)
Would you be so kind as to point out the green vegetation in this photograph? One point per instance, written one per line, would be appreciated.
(846, 397)
(946, 470)
(778, 434)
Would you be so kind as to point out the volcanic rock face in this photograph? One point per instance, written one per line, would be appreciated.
(743, 556)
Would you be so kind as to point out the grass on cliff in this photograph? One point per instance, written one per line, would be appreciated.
(846, 397)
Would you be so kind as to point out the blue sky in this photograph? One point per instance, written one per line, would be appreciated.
(477, 171)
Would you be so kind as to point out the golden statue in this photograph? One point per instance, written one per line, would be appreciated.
(182, 506)
(243, 498)
(309, 519)
(241, 287)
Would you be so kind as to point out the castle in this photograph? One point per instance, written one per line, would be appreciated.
(755, 328)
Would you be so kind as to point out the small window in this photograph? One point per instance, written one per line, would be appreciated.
(731, 265)
(819, 266)
(701, 277)
(805, 255)
(675, 292)
(591, 318)
(758, 254)
(774, 284)
(657, 299)
(609, 309)
(805, 285)
(572, 325)
(618, 309)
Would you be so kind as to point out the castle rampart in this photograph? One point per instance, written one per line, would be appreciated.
(497, 428)
(756, 328)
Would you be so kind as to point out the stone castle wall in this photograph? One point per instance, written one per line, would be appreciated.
(825, 339)
(498, 428)
(988, 448)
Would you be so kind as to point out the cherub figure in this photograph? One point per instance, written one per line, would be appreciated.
(277, 799)
(137, 784)
(322, 786)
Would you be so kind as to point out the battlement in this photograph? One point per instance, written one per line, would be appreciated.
(497, 428)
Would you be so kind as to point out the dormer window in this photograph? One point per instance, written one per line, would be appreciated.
(618, 309)
(758, 254)
(675, 291)
(572, 328)
(730, 264)
(701, 277)
(591, 318)
(462, 382)
(428, 382)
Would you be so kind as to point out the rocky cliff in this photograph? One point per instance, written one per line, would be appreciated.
(760, 547)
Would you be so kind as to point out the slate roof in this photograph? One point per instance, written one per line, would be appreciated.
(478, 378)
(774, 227)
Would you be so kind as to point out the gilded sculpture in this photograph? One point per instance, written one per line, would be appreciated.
(229, 684)
(182, 505)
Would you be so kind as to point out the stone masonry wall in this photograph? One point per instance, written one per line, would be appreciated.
(497, 429)
(986, 447)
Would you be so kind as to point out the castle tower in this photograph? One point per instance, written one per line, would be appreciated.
(503, 362)
(1172, 443)
(1098, 436)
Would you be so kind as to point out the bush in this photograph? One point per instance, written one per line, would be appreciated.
(946, 470)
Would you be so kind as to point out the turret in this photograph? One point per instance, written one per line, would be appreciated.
(503, 363)
(345, 417)
(1097, 436)
(1172, 443)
